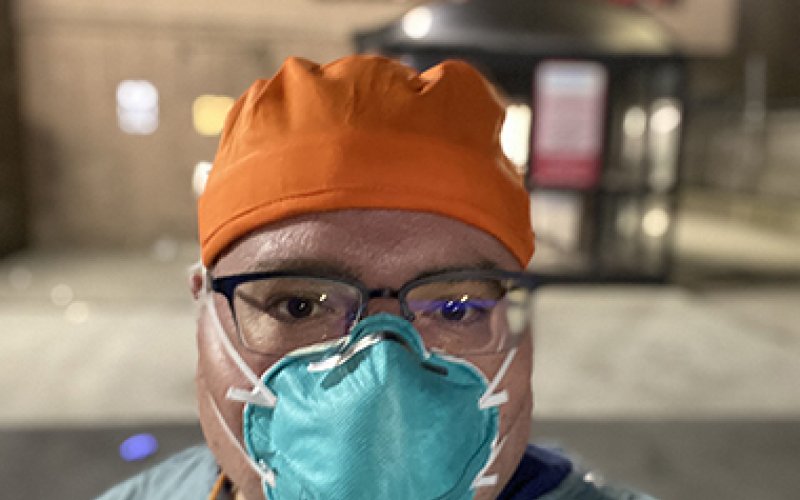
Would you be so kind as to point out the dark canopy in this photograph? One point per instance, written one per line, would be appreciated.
(530, 28)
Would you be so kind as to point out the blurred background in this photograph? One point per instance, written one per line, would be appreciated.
(659, 140)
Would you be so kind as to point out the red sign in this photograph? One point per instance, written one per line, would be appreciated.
(568, 131)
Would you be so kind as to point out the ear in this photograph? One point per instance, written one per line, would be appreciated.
(196, 281)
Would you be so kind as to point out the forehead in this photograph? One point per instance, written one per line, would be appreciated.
(379, 247)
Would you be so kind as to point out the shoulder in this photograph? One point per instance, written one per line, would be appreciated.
(581, 486)
(187, 475)
(545, 474)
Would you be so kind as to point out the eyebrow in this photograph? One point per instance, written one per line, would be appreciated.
(341, 270)
(312, 267)
(484, 265)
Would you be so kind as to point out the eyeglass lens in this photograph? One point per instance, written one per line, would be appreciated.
(277, 315)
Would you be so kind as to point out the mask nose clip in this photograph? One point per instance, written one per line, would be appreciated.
(439, 370)
(393, 337)
(400, 339)
(373, 330)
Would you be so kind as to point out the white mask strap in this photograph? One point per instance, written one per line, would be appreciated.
(260, 394)
(489, 398)
(266, 474)
(482, 480)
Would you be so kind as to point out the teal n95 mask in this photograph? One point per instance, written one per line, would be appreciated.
(372, 415)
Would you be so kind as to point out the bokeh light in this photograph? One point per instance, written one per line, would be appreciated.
(417, 23)
(209, 112)
(515, 136)
(137, 107)
(61, 294)
(200, 176)
(77, 312)
(138, 447)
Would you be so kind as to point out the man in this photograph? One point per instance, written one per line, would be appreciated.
(364, 330)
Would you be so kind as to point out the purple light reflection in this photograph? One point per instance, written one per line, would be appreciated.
(138, 447)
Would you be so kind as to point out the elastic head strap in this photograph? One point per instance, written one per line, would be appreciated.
(260, 394)
(489, 398)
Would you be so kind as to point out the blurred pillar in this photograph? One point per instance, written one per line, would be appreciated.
(13, 217)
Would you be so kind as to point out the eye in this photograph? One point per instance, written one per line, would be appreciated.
(454, 311)
(298, 307)
(458, 311)
(291, 308)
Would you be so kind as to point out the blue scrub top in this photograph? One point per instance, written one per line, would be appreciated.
(542, 474)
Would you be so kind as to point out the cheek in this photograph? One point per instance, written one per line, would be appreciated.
(517, 381)
(220, 419)
(216, 373)
(214, 376)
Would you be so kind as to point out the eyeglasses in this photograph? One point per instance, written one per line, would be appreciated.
(459, 312)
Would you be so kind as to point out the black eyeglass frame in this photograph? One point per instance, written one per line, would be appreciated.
(226, 285)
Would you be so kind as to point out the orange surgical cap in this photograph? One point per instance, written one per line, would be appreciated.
(364, 132)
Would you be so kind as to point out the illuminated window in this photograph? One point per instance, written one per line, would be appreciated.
(635, 122)
(209, 112)
(664, 142)
(666, 115)
(655, 222)
(137, 107)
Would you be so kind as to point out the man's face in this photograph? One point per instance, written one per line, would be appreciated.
(382, 249)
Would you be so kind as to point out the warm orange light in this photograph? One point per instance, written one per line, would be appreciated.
(209, 112)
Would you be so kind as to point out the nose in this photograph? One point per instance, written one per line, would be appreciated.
(388, 305)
